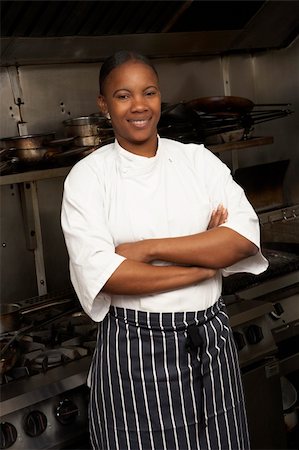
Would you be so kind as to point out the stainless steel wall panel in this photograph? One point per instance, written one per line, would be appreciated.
(277, 81)
(9, 110)
(53, 94)
(55, 254)
(241, 76)
(17, 263)
(186, 79)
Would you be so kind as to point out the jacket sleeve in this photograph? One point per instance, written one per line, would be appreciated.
(89, 243)
(241, 215)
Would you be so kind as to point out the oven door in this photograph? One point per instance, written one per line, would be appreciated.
(263, 400)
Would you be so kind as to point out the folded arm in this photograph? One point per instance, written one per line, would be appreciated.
(216, 248)
(137, 278)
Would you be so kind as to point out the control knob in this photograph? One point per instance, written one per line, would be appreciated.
(8, 435)
(66, 412)
(254, 334)
(277, 311)
(239, 340)
(35, 423)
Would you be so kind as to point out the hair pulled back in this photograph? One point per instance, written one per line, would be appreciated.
(119, 58)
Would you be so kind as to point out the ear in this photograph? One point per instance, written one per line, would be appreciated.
(102, 105)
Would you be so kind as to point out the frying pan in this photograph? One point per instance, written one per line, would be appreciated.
(221, 104)
(30, 141)
(32, 155)
(48, 154)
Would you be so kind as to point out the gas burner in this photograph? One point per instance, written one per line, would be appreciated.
(58, 356)
(67, 339)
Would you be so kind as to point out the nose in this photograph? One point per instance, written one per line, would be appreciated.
(139, 104)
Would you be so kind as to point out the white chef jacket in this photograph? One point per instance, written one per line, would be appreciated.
(113, 196)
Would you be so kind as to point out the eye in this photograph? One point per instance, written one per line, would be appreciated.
(150, 93)
(123, 96)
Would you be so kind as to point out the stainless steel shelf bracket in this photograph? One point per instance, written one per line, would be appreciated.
(33, 232)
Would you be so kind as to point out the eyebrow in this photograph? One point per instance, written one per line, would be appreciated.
(128, 90)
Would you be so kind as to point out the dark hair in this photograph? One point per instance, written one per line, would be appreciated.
(119, 58)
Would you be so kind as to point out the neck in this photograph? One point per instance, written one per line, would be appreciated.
(146, 149)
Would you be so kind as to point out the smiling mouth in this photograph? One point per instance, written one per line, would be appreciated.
(139, 123)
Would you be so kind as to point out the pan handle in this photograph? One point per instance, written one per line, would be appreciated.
(38, 307)
(75, 151)
(36, 326)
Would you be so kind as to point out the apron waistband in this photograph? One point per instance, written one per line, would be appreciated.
(168, 321)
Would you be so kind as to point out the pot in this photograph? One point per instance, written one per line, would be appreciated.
(33, 155)
(97, 139)
(12, 313)
(31, 141)
(85, 126)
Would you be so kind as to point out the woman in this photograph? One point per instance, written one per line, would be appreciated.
(149, 241)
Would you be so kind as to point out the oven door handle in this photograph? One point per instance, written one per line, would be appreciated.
(281, 329)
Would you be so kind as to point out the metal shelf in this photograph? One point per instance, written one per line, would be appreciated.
(240, 145)
(34, 175)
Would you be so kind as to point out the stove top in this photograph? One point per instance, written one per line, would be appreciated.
(46, 355)
(283, 259)
(44, 396)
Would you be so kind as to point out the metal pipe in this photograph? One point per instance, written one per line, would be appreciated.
(176, 17)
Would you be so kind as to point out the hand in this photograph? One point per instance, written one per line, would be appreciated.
(137, 251)
(207, 273)
(218, 217)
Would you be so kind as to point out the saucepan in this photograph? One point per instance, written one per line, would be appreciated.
(96, 139)
(85, 126)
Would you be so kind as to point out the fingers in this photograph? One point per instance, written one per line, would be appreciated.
(218, 217)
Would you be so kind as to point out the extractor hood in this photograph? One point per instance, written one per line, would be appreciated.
(78, 31)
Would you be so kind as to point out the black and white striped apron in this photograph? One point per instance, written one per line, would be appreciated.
(166, 381)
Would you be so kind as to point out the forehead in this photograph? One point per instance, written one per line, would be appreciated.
(131, 73)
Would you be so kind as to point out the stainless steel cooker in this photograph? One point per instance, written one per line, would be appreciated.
(264, 316)
(44, 396)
